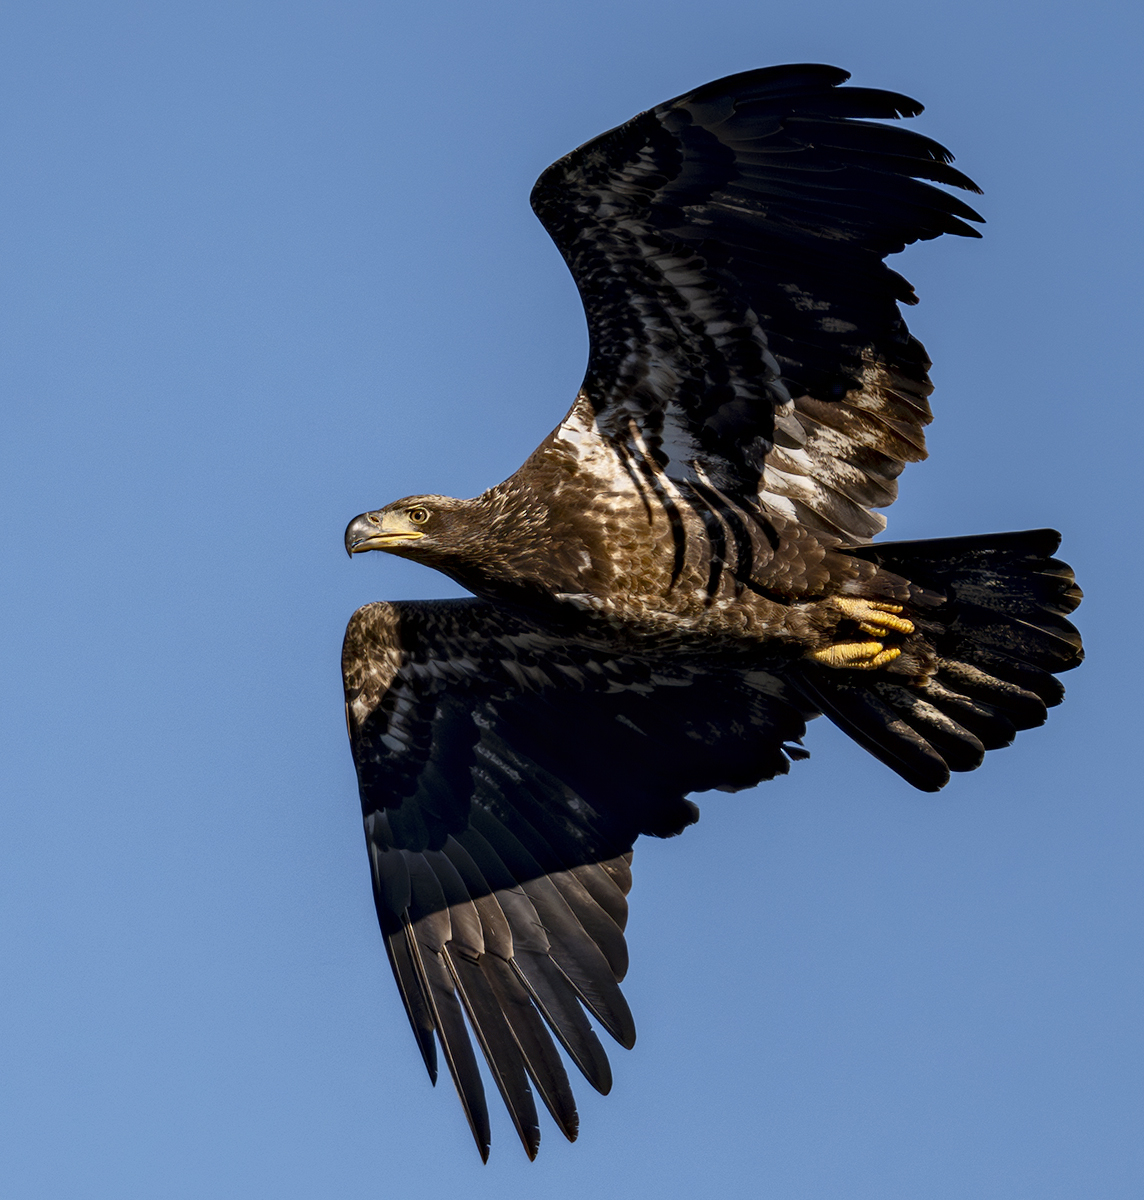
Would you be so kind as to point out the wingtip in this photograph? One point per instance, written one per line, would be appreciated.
(571, 1128)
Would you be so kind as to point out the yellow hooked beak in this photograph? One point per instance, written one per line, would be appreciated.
(380, 531)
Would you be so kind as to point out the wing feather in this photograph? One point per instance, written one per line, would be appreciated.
(501, 851)
(728, 248)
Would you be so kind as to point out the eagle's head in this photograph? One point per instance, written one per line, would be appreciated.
(495, 545)
(426, 528)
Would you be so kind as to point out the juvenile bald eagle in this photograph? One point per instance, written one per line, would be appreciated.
(681, 575)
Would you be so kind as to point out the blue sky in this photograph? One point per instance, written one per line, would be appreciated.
(267, 265)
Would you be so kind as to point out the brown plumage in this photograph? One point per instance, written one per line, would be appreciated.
(681, 575)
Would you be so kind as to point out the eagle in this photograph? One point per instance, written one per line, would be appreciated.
(682, 574)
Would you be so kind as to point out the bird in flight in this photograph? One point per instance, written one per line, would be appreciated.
(682, 574)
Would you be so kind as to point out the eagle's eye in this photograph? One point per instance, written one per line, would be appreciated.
(417, 515)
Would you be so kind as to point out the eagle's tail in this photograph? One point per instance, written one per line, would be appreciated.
(999, 633)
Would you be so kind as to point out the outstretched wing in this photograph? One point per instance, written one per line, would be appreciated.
(745, 331)
(505, 773)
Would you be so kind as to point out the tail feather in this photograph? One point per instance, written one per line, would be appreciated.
(997, 634)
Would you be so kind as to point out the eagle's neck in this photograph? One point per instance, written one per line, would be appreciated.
(519, 549)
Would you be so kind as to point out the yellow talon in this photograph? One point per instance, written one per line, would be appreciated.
(873, 616)
(880, 660)
(859, 656)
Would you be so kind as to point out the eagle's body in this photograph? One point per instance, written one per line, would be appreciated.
(681, 574)
(637, 559)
